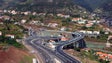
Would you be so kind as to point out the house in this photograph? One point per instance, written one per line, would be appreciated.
(96, 32)
(1, 21)
(35, 22)
(109, 37)
(90, 33)
(9, 35)
(63, 38)
(104, 56)
(23, 21)
(106, 32)
(97, 22)
(83, 31)
(0, 33)
(34, 13)
(89, 25)
(81, 22)
(42, 24)
(94, 22)
(63, 28)
(53, 25)
(42, 14)
(1, 11)
(64, 16)
(76, 19)
(13, 12)
(1, 17)
(9, 11)
(60, 15)
(17, 23)
(26, 13)
(5, 11)
(6, 17)
(51, 14)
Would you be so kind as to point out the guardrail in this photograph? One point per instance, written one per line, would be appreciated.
(59, 49)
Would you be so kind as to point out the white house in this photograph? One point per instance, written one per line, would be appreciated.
(83, 31)
(109, 37)
(106, 32)
(61, 15)
(0, 33)
(9, 35)
(27, 12)
(34, 13)
(42, 14)
(89, 32)
(5, 11)
(35, 22)
(66, 16)
(75, 19)
(96, 32)
(9, 11)
(13, 12)
(89, 25)
(82, 22)
(23, 21)
(63, 28)
(53, 25)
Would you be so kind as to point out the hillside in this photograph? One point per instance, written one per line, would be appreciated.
(107, 6)
(54, 6)
(91, 4)
(57, 6)
(88, 4)
(14, 55)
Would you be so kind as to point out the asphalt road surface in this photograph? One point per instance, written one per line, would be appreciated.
(48, 55)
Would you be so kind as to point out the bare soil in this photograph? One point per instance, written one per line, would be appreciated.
(12, 55)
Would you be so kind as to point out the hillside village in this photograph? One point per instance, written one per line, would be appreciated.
(91, 26)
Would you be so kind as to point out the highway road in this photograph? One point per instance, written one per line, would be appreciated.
(45, 55)
(48, 55)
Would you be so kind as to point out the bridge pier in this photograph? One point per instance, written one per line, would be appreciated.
(80, 44)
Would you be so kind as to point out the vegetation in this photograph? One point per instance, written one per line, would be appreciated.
(65, 22)
(10, 28)
(91, 54)
(9, 41)
(26, 59)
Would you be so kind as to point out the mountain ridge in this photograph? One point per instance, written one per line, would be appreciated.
(89, 5)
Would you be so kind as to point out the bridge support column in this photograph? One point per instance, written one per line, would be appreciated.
(81, 43)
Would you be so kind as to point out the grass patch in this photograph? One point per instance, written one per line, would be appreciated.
(26, 59)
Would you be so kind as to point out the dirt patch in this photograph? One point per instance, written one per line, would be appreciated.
(12, 55)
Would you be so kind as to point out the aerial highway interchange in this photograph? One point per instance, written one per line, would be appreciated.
(57, 55)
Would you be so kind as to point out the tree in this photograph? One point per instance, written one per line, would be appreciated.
(65, 22)
(84, 27)
(102, 32)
